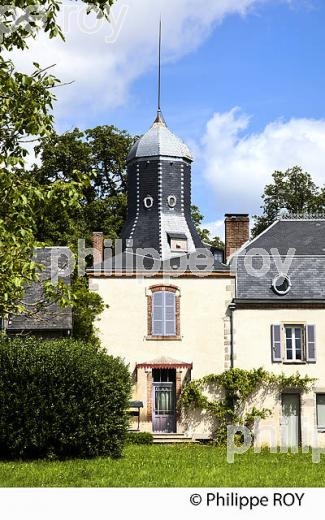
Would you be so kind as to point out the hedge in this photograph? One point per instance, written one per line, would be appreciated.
(61, 398)
(139, 438)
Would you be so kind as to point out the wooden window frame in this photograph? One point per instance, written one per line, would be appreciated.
(302, 328)
(293, 324)
(163, 288)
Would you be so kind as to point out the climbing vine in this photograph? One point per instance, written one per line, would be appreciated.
(235, 387)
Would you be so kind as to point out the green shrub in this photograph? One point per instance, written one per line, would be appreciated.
(139, 438)
(61, 398)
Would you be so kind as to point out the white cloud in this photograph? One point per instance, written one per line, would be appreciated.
(238, 163)
(216, 228)
(104, 71)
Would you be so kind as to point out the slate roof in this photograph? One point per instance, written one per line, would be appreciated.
(307, 237)
(260, 261)
(130, 262)
(159, 141)
(51, 317)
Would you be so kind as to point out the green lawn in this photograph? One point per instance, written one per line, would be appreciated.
(169, 466)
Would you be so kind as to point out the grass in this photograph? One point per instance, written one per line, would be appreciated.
(170, 466)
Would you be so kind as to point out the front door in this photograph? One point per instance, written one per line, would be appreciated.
(290, 420)
(164, 405)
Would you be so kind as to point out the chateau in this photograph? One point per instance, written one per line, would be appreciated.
(176, 310)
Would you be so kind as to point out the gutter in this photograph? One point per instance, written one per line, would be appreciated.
(232, 308)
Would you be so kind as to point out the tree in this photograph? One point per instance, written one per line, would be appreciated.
(25, 111)
(293, 190)
(100, 155)
(87, 306)
(205, 234)
(21, 205)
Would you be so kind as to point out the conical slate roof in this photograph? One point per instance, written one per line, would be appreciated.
(159, 141)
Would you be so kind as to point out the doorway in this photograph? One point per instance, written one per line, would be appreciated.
(291, 421)
(164, 400)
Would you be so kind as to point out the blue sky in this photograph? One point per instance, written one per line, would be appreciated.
(265, 57)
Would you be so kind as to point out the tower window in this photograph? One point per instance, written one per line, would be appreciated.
(178, 242)
(148, 202)
(172, 200)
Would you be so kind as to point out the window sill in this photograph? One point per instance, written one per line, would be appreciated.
(321, 430)
(294, 362)
(163, 338)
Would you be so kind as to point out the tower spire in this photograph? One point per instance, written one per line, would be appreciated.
(159, 118)
(159, 67)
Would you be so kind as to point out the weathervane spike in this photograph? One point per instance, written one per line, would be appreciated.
(160, 118)
(159, 67)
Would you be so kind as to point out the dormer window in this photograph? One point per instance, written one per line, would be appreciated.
(178, 242)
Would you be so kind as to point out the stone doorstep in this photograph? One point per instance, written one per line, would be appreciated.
(173, 438)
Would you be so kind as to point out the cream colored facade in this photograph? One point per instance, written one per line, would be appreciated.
(204, 344)
(204, 329)
(252, 349)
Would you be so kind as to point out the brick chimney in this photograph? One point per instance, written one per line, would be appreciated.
(236, 232)
(98, 247)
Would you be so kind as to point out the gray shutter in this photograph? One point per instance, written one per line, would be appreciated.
(276, 343)
(158, 314)
(310, 344)
(170, 314)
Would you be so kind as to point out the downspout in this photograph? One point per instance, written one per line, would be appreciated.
(232, 308)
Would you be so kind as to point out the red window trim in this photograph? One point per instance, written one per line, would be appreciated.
(169, 288)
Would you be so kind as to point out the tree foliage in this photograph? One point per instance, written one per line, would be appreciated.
(99, 154)
(87, 306)
(26, 102)
(293, 190)
(205, 234)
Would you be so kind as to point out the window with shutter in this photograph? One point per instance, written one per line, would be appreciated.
(164, 314)
(158, 314)
(296, 344)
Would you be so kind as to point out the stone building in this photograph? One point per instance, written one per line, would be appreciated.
(176, 311)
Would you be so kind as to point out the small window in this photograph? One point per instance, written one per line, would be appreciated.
(148, 202)
(172, 200)
(178, 245)
(281, 284)
(320, 411)
(178, 242)
(294, 338)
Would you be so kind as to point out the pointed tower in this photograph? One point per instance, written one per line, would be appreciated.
(159, 191)
(159, 194)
